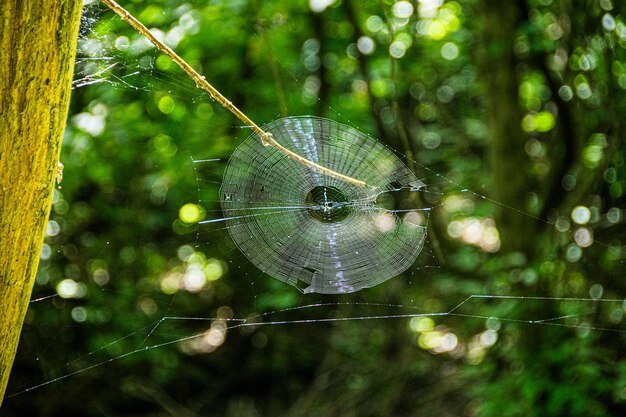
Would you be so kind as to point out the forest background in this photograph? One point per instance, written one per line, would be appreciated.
(520, 102)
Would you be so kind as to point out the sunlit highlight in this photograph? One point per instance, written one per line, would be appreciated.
(384, 222)
(191, 213)
(198, 274)
(478, 232)
(68, 288)
(208, 341)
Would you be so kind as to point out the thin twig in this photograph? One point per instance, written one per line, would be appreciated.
(266, 137)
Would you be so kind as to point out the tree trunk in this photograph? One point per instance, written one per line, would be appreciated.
(507, 156)
(38, 47)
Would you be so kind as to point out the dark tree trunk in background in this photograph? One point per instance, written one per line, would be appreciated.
(507, 156)
(37, 46)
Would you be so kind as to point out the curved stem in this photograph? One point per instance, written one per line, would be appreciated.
(201, 82)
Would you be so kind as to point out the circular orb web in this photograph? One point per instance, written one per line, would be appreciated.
(316, 232)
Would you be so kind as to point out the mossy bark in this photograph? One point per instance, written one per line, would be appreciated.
(38, 47)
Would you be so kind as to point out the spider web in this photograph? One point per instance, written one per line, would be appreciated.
(282, 210)
(305, 227)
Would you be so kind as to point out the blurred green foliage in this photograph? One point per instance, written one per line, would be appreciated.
(124, 250)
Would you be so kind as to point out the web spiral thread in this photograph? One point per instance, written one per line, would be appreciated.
(314, 231)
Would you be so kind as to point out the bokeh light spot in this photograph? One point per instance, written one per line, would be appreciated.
(581, 215)
(191, 213)
(402, 9)
(166, 104)
(449, 51)
(68, 288)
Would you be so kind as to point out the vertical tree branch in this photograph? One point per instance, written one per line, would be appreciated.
(507, 155)
(566, 150)
(262, 28)
(319, 31)
(38, 47)
(363, 69)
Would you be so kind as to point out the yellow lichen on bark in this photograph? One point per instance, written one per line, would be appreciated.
(37, 46)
